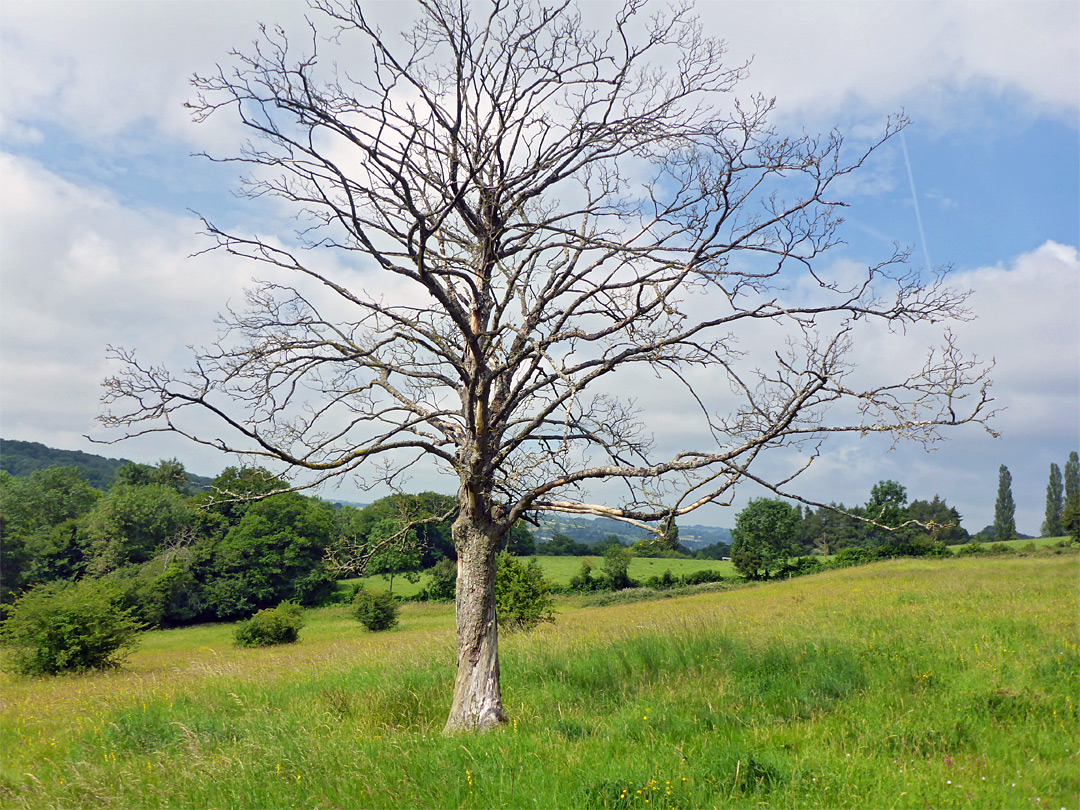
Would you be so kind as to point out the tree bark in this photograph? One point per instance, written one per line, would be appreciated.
(477, 695)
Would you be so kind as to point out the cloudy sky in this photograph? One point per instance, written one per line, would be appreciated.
(99, 182)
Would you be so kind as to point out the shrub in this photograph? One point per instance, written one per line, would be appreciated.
(64, 627)
(442, 584)
(280, 625)
(376, 611)
(522, 595)
(617, 568)
(583, 580)
(664, 580)
(701, 577)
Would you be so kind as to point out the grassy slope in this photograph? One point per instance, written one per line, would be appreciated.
(911, 683)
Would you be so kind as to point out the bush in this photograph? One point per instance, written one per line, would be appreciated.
(522, 595)
(69, 627)
(663, 581)
(280, 625)
(442, 584)
(617, 568)
(701, 577)
(376, 611)
(583, 580)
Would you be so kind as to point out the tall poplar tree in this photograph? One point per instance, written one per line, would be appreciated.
(1004, 508)
(1070, 513)
(1055, 504)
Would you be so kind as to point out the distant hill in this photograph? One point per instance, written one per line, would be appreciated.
(23, 458)
(591, 531)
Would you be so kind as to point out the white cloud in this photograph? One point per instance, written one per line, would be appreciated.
(81, 271)
(823, 56)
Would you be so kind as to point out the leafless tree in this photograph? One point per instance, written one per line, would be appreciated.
(565, 212)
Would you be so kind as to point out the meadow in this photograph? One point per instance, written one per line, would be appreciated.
(908, 683)
(559, 570)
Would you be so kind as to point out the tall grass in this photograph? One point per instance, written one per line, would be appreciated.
(910, 683)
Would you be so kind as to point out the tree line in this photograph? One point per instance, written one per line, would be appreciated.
(182, 554)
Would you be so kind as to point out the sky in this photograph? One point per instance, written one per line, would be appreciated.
(99, 182)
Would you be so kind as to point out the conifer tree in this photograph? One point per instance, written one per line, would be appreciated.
(1055, 504)
(1004, 508)
(1070, 513)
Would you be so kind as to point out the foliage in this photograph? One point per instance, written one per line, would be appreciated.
(561, 545)
(617, 567)
(168, 472)
(44, 499)
(763, 539)
(1055, 504)
(132, 522)
(1070, 513)
(522, 595)
(442, 581)
(1004, 507)
(62, 626)
(164, 592)
(376, 611)
(583, 580)
(423, 519)
(713, 551)
(520, 541)
(279, 625)
(274, 553)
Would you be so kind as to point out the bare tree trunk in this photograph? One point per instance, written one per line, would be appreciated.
(477, 695)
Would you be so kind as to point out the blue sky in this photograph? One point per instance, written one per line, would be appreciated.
(98, 185)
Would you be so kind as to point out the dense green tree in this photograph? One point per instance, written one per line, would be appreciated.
(617, 567)
(426, 517)
(520, 541)
(763, 540)
(1004, 508)
(274, 553)
(132, 523)
(522, 595)
(442, 581)
(611, 541)
(232, 492)
(713, 551)
(829, 529)
(1070, 513)
(44, 498)
(62, 552)
(1055, 504)
(561, 545)
(939, 521)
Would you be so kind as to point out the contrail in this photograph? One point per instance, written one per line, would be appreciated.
(915, 199)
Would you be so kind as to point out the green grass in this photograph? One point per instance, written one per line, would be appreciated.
(909, 683)
(559, 570)
(1024, 545)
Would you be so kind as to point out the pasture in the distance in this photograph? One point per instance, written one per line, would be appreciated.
(910, 683)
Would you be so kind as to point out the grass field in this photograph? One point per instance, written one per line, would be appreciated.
(910, 683)
(559, 570)
(1023, 545)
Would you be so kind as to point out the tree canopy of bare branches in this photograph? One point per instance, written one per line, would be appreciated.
(545, 214)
